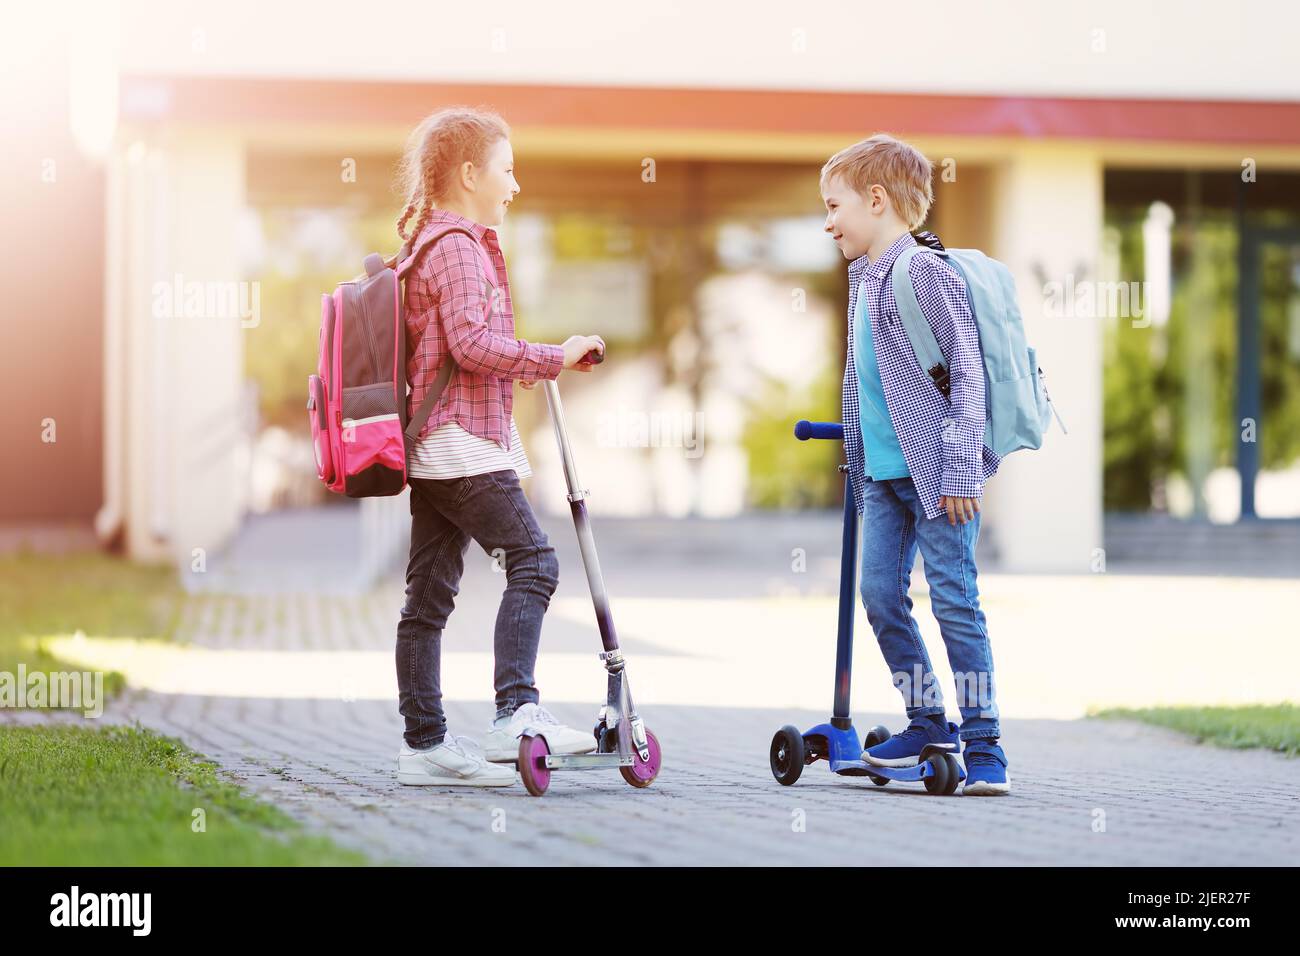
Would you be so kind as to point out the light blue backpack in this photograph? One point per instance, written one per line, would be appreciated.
(1019, 408)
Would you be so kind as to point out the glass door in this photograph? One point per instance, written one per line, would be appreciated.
(1268, 373)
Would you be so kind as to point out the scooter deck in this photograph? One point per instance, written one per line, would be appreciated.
(860, 768)
(843, 751)
(588, 761)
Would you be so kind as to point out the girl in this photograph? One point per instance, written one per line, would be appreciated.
(464, 470)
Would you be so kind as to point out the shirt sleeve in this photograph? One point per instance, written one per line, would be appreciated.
(455, 273)
(941, 292)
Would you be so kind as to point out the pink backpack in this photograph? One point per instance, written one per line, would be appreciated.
(357, 399)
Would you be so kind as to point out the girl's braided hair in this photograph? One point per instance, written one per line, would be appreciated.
(434, 153)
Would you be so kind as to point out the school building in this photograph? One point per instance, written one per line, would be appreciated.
(213, 174)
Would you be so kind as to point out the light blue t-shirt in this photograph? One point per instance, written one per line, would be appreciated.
(879, 440)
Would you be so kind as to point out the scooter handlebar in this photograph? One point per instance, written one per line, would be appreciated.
(804, 429)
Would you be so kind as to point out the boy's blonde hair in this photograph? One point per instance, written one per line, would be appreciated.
(899, 167)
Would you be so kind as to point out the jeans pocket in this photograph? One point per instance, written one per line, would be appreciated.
(462, 488)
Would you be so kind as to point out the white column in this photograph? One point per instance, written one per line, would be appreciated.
(1045, 507)
(209, 468)
(186, 469)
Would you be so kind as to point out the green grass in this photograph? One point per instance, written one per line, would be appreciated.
(48, 595)
(121, 796)
(113, 795)
(1273, 727)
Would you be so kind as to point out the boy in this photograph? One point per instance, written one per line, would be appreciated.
(916, 457)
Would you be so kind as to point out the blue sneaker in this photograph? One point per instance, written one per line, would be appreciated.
(986, 768)
(903, 750)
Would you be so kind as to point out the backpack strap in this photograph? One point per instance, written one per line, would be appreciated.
(422, 413)
(405, 263)
(919, 332)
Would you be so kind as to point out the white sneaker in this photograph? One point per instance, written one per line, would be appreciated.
(502, 743)
(456, 762)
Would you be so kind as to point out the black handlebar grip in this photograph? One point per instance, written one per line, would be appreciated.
(594, 357)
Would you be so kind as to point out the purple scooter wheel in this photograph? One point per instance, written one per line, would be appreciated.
(642, 773)
(532, 764)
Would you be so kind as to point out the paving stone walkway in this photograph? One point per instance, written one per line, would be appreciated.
(292, 694)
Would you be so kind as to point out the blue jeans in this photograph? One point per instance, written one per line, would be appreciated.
(445, 514)
(893, 526)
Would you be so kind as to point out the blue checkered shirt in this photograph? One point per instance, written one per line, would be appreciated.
(942, 440)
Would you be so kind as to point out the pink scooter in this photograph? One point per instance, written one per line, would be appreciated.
(622, 739)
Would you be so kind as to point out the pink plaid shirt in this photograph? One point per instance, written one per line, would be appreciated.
(456, 306)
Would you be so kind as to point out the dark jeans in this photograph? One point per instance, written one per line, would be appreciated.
(445, 515)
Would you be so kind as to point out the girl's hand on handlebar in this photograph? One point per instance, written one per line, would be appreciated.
(576, 348)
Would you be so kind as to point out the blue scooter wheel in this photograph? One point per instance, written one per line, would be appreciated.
(954, 775)
(786, 756)
(938, 782)
(876, 735)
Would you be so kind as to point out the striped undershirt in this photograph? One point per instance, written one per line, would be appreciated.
(449, 451)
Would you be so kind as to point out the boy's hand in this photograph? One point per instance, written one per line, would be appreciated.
(962, 509)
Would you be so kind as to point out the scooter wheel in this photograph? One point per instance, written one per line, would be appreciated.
(877, 779)
(876, 735)
(787, 755)
(532, 764)
(607, 742)
(954, 775)
(642, 773)
(938, 782)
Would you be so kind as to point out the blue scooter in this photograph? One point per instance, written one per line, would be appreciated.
(837, 741)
